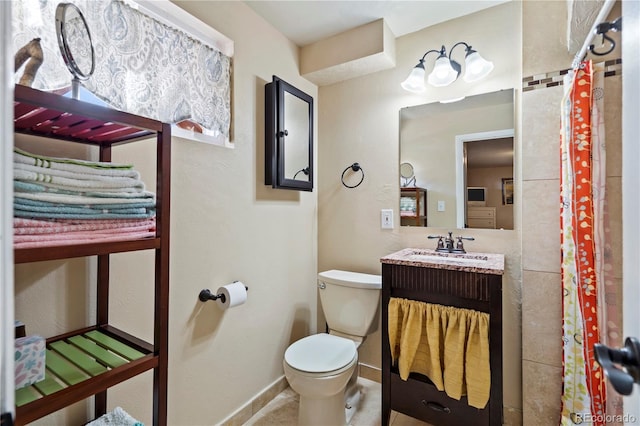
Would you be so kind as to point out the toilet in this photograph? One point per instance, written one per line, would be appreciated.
(322, 368)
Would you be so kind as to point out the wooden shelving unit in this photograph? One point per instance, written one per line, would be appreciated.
(87, 362)
(419, 218)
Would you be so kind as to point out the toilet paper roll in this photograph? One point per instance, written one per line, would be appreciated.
(234, 294)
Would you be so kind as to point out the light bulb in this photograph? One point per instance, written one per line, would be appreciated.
(442, 68)
(476, 67)
(415, 81)
(444, 72)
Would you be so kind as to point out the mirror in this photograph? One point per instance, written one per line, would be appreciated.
(462, 156)
(288, 137)
(74, 40)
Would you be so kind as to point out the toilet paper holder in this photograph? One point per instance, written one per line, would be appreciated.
(206, 294)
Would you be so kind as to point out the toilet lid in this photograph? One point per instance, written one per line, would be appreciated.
(320, 353)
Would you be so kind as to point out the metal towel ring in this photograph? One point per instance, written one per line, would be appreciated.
(354, 167)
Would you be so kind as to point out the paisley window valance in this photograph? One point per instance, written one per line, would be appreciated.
(143, 65)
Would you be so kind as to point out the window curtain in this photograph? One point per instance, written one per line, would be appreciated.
(142, 65)
(588, 316)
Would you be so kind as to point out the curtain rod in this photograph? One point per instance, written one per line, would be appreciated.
(604, 12)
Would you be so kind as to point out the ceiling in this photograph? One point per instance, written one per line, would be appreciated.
(305, 22)
(490, 153)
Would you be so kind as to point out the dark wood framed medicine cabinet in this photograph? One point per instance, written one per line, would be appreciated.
(288, 137)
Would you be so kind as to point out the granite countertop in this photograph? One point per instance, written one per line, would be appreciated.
(484, 263)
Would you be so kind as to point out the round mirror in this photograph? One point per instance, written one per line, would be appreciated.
(406, 171)
(75, 44)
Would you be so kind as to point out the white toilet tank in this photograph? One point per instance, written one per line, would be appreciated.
(350, 301)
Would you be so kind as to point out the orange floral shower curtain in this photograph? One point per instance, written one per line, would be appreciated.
(587, 319)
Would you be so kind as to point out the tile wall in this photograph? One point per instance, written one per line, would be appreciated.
(541, 283)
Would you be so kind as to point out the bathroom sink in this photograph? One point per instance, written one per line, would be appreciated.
(469, 262)
(431, 256)
(458, 259)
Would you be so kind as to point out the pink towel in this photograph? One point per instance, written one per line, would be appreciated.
(83, 238)
(29, 233)
(23, 226)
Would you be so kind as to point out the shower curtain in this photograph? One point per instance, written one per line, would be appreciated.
(587, 318)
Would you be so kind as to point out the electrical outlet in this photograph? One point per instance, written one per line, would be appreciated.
(386, 219)
(440, 205)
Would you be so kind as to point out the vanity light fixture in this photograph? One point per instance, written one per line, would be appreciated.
(446, 70)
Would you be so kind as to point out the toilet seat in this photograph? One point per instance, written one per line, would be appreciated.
(321, 353)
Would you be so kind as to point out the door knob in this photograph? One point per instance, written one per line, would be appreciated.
(628, 357)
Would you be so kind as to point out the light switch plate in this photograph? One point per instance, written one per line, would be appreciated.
(440, 205)
(386, 218)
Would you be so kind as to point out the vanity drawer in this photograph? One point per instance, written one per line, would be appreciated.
(489, 223)
(423, 401)
(478, 212)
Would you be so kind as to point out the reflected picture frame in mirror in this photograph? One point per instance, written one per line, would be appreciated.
(434, 139)
(507, 191)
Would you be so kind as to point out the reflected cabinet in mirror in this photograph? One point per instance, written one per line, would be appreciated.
(288, 137)
(462, 157)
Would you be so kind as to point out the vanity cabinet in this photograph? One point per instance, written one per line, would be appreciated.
(481, 217)
(448, 284)
(86, 362)
(415, 212)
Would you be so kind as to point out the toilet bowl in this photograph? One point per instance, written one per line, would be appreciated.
(320, 367)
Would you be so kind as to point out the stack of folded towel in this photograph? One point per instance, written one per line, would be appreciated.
(67, 201)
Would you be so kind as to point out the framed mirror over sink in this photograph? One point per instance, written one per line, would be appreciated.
(288, 137)
(461, 153)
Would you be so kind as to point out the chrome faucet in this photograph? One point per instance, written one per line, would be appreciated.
(449, 245)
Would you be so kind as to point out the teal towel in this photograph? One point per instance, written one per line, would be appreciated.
(117, 417)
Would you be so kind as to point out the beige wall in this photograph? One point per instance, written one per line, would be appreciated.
(541, 280)
(225, 225)
(359, 122)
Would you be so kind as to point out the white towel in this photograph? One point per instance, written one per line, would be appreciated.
(146, 198)
(99, 183)
(78, 174)
(73, 165)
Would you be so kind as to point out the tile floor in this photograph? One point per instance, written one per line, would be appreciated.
(283, 409)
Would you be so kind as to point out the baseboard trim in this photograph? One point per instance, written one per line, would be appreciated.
(370, 372)
(250, 408)
(244, 413)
